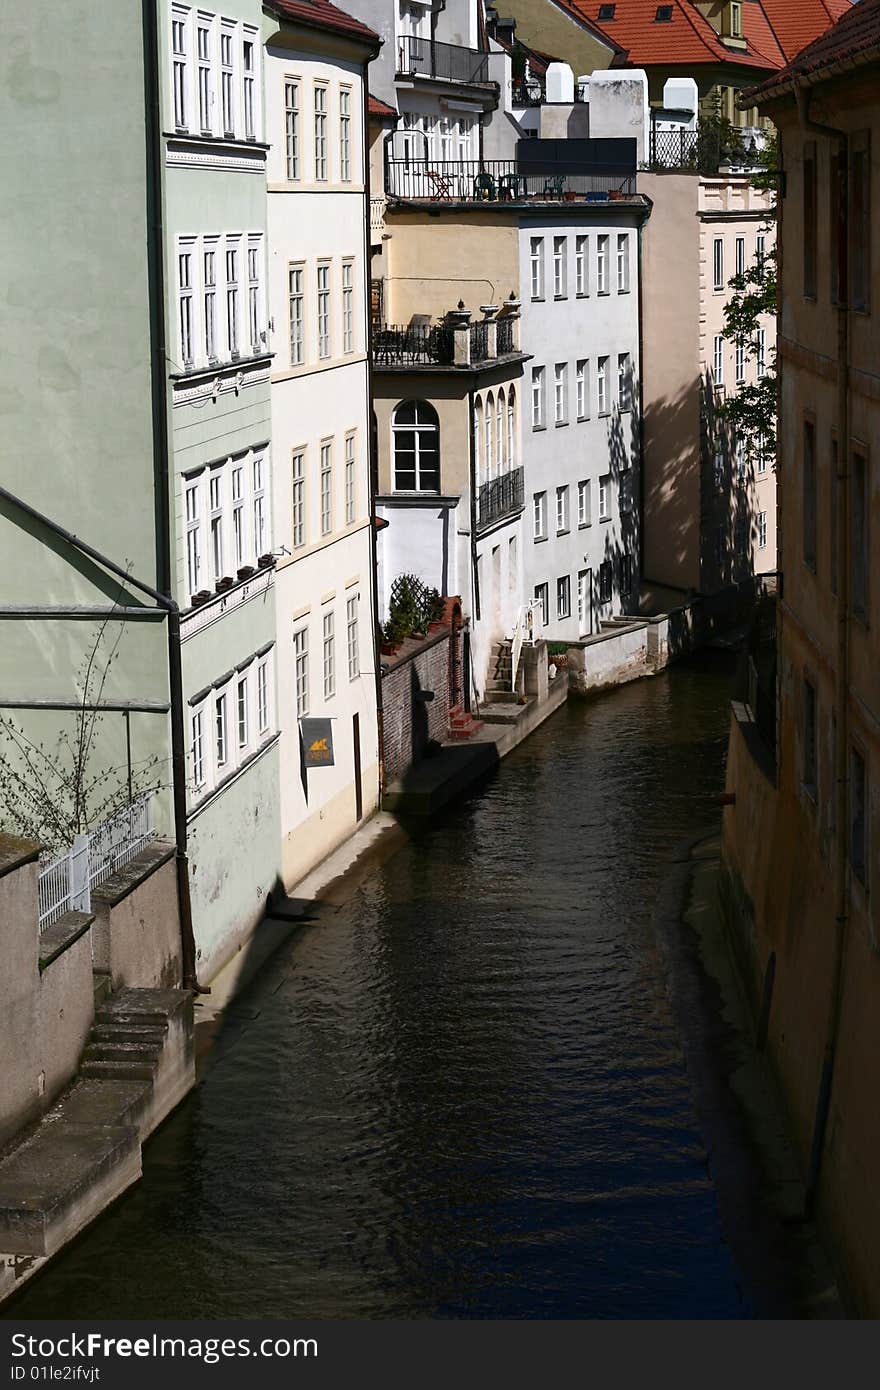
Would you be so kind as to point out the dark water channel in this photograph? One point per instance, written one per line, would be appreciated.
(463, 1094)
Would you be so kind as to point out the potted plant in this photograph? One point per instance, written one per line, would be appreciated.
(201, 597)
(221, 585)
(267, 561)
(245, 572)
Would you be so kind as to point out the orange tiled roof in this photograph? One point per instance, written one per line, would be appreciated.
(688, 39)
(375, 107)
(856, 35)
(320, 14)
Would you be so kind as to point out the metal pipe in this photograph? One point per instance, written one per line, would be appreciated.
(110, 706)
(16, 612)
(841, 878)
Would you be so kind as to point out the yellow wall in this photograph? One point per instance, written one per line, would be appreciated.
(434, 261)
(449, 397)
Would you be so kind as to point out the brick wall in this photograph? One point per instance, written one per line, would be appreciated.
(409, 724)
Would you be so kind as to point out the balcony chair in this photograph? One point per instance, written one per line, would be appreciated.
(485, 188)
(441, 185)
(510, 186)
(554, 186)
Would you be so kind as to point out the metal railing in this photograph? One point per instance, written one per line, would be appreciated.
(497, 180)
(65, 880)
(533, 92)
(701, 151)
(377, 214)
(395, 346)
(479, 341)
(500, 497)
(448, 62)
(529, 627)
(504, 339)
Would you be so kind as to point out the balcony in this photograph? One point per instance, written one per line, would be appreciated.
(377, 219)
(442, 62)
(703, 151)
(452, 343)
(488, 181)
(500, 498)
(418, 345)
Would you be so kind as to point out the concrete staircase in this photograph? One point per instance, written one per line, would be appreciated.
(137, 1066)
(499, 683)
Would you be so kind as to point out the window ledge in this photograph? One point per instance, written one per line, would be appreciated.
(539, 540)
(560, 424)
(228, 141)
(223, 368)
(536, 429)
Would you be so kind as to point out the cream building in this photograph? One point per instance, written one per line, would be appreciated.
(318, 306)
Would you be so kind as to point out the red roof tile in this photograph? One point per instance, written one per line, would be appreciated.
(855, 36)
(687, 37)
(320, 14)
(375, 107)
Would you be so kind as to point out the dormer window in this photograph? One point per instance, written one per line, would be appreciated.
(734, 19)
(664, 14)
(606, 11)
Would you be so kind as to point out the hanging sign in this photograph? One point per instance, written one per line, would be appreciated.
(317, 737)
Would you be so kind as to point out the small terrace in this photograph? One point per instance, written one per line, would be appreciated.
(543, 171)
(453, 342)
(442, 62)
(704, 151)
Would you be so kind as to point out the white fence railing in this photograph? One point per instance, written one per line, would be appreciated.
(529, 628)
(65, 880)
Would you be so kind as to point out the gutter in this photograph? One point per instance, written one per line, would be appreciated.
(841, 751)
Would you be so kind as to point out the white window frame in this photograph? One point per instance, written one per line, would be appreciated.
(602, 392)
(255, 294)
(539, 397)
(582, 266)
(602, 255)
(326, 486)
(718, 263)
(210, 249)
(296, 311)
(761, 352)
(232, 267)
(192, 488)
(562, 509)
(181, 69)
(205, 71)
(536, 261)
(293, 128)
(197, 751)
(228, 78)
(324, 309)
(320, 93)
(345, 129)
(251, 87)
(352, 637)
(187, 311)
(585, 516)
(264, 695)
(740, 361)
(718, 360)
(348, 305)
(563, 597)
(216, 522)
(238, 500)
(221, 729)
(328, 652)
(262, 534)
(740, 252)
(539, 516)
(624, 382)
(762, 530)
(299, 528)
(243, 712)
(605, 497)
(560, 393)
(560, 267)
(350, 479)
(623, 263)
(301, 670)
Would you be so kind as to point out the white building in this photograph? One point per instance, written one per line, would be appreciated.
(318, 306)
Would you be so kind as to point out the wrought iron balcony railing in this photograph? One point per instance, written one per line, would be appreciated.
(498, 180)
(500, 497)
(448, 62)
(416, 345)
(533, 92)
(702, 151)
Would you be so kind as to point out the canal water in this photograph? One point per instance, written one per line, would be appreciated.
(462, 1094)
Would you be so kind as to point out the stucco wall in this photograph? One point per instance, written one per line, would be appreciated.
(136, 932)
(65, 1011)
(434, 261)
(19, 1091)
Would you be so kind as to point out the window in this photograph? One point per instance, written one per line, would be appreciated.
(563, 597)
(345, 134)
(809, 218)
(582, 266)
(255, 313)
(560, 256)
(584, 508)
(542, 596)
(512, 566)
(209, 297)
(292, 128)
(602, 385)
(735, 19)
(760, 449)
(261, 534)
(301, 671)
(625, 491)
(606, 580)
(350, 482)
(326, 487)
(221, 731)
(760, 249)
(602, 265)
(561, 509)
(739, 466)
(538, 398)
(499, 434)
(206, 80)
(180, 65)
(762, 530)
(663, 14)
(584, 605)
(511, 428)
(740, 255)
(320, 132)
(351, 626)
(197, 750)
(539, 516)
(296, 307)
(740, 361)
(242, 711)
(215, 502)
(249, 50)
(605, 497)
(416, 430)
(324, 310)
(536, 262)
(809, 737)
(239, 535)
(718, 263)
(583, 390)
(298, 472)
(489, 426)
(478, 441)
(860, 221)
(560, 393)
(193, 537)
(347, 306)
(718, 462)
(329, 656)
(761, 352)
(227, 77)
(185, 301)
(718, 360)
(606, 12)
(624, 382)
(232, 254)
(263, 722)
(809, 494)
(623, 263)
(861, 499)
(858, 838)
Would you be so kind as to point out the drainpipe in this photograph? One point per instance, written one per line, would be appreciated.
(841, 876)
(371, 449)
(178, 743)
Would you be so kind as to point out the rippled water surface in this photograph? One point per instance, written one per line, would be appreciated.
(463, 1094)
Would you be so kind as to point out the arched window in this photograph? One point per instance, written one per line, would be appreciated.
(490, 410)
(511, 428)
(478, 441)
(416, 431)
(499, 435)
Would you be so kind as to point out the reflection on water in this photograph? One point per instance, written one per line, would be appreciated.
(463, 1095)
